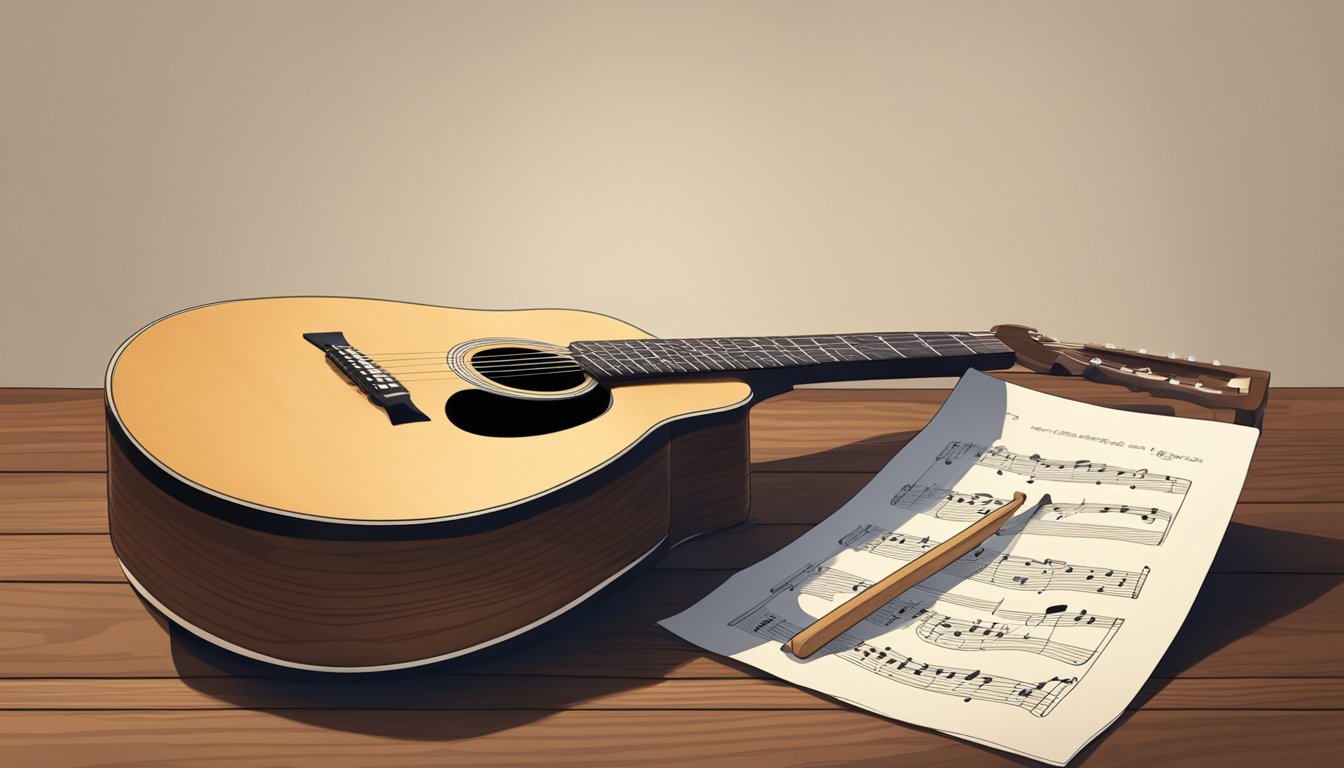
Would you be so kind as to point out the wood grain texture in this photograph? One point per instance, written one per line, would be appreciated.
(53, 502)
(711, 479)
(51, 430)
(623, 738)
(361, 603)
(469, 692)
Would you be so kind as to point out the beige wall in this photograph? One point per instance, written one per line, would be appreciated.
(1167, 174)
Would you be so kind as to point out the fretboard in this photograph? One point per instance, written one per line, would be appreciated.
(646, 358)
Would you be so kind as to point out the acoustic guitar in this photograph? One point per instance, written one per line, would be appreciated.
(354, 485)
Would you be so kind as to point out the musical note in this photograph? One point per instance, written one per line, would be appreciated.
(1036, 698)
(1035, 467)
(1034, 633)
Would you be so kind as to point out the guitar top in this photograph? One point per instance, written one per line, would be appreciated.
(375, 412)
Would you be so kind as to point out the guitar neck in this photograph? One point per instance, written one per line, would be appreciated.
(782, 361)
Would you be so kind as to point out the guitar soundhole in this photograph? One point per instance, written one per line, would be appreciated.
(491, 415)
(534, 370)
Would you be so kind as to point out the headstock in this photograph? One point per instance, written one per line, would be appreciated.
(1214, 385)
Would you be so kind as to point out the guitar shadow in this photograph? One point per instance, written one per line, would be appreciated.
(1229, 613)
(612, 647)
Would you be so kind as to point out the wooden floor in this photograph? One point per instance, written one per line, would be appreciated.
(89, 677)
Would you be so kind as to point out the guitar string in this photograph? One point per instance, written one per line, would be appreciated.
(561, 363)
(503, 371)
(542, 360)
(389, 363)
(520, 365)
(490, 366)
(553, 362)
(424, 376)
(501, 376)
(442, 355)
(844, 345)
(796, 348)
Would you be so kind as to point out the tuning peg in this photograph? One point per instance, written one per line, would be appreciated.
(1109, 345)
(1094, 361)
(1143, 350)
(1173, 380)
(1216, 362)
(1190, 358)
(1171, 355)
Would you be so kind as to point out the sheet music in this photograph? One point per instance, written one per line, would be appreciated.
(1035, 641)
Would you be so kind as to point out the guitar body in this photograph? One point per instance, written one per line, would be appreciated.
(260, 501)
(356, 485)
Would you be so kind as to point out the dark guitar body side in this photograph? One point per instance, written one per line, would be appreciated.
(331, 597)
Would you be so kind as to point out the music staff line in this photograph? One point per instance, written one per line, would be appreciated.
(1034, 467)
(1149, 525)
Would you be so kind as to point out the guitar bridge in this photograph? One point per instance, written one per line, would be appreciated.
(382, 387)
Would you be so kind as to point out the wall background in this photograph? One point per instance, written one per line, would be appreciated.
(1165, 174)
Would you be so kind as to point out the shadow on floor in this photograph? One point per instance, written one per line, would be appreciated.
(611, 647)
(615, 647)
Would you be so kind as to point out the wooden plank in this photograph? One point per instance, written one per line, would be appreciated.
(86, 557)
(51, 430)
(1305, 408)
(1241, 693)
(1297, 466)
(1242, 625)
(1263, 538)
(53, 502)
(594, 738)
(557, 693)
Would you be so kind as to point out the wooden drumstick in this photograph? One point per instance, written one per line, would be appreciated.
(825, 629)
